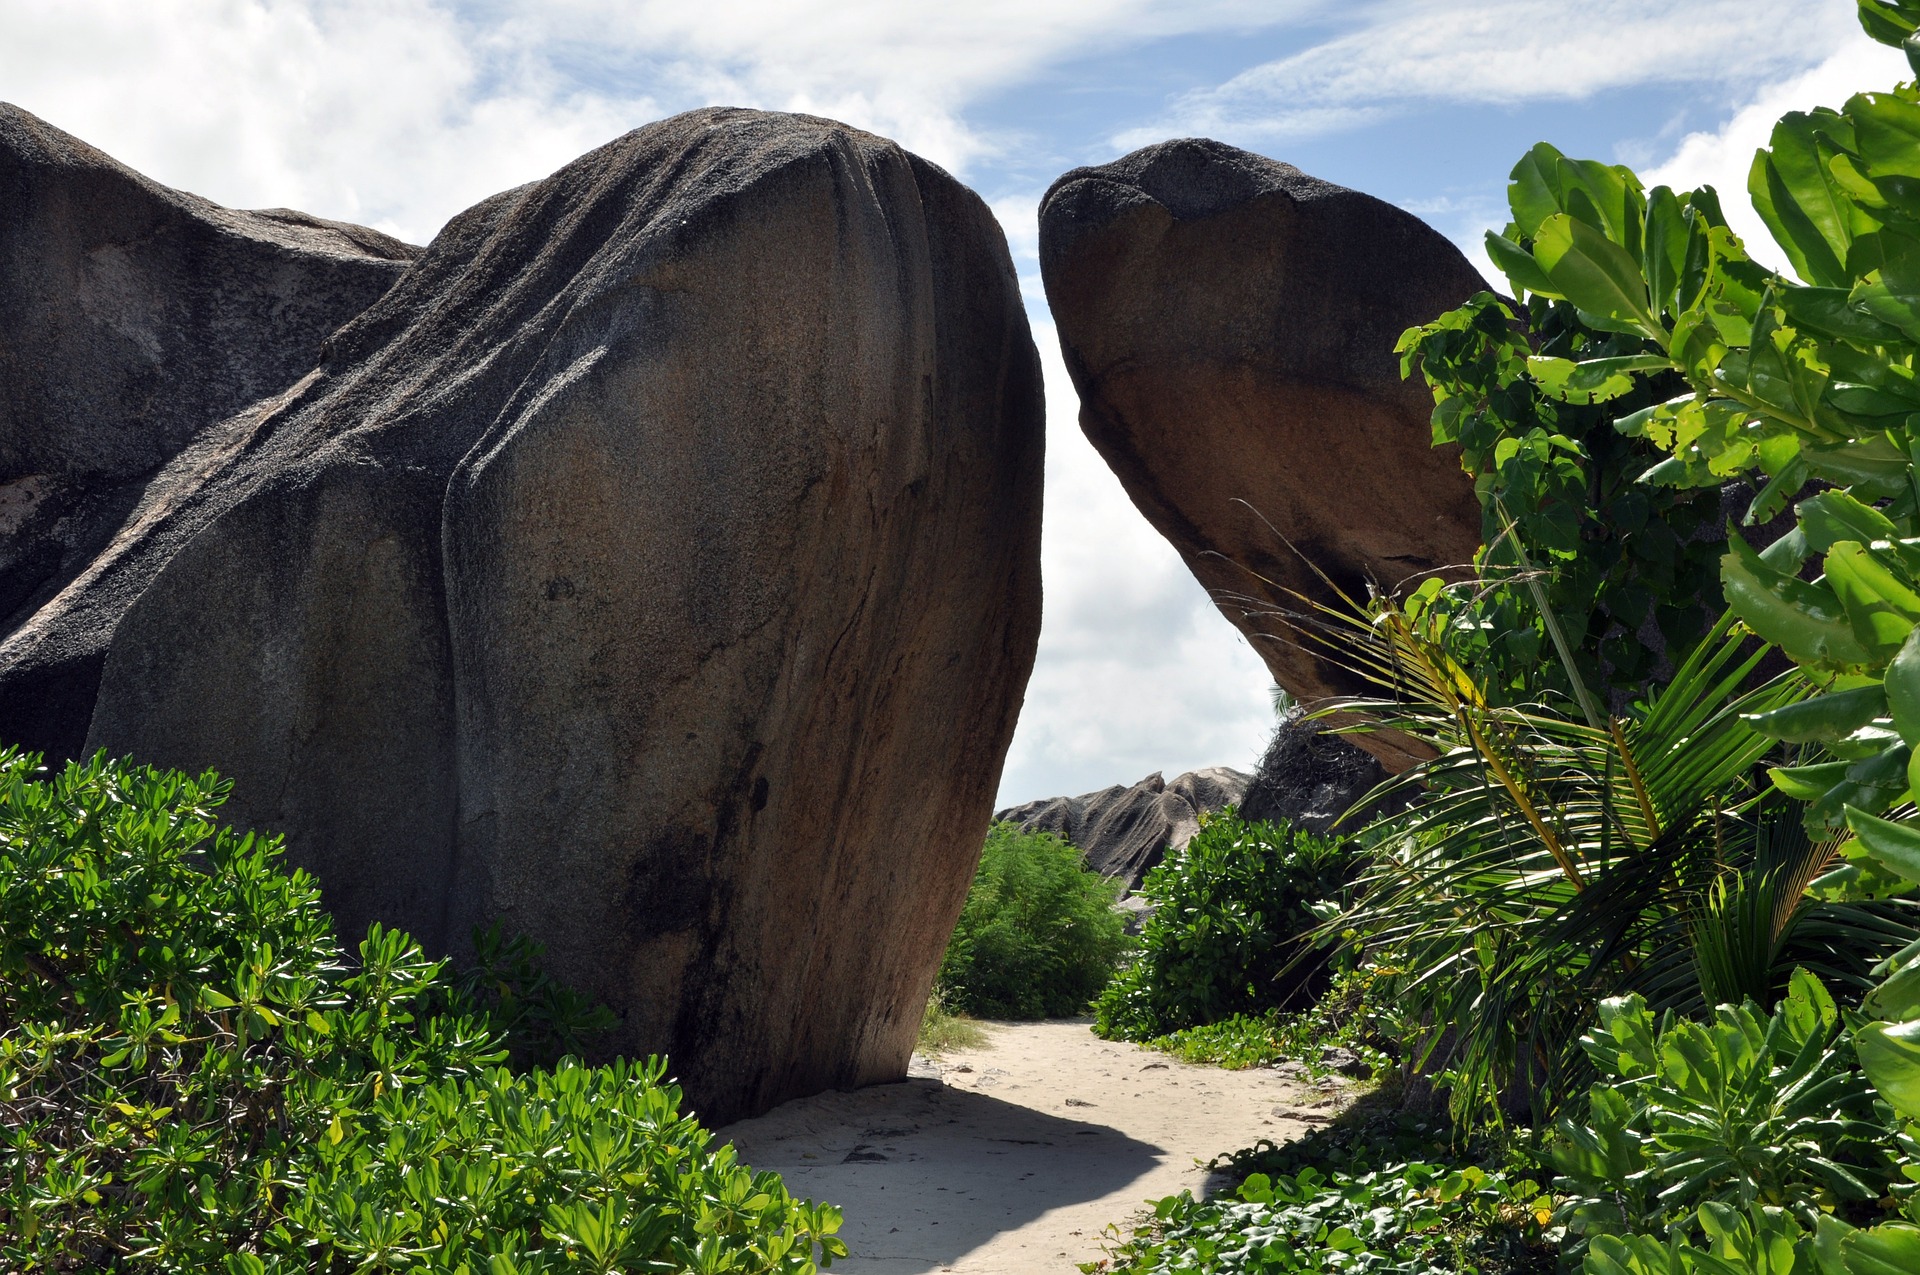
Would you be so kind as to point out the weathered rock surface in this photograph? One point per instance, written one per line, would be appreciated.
(1124, 831)
(132, 317)
(1312, 779)
(654, 568)
(1229, 323)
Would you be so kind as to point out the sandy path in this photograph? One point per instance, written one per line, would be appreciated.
(1016, 1158)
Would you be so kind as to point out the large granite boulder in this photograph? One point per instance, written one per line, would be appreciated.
(653, 569)
(1123, 831)
(132, 317)
(1229, 323)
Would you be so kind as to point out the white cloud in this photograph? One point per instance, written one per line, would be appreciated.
(1409, 52)
(399, 113)
(379, 111)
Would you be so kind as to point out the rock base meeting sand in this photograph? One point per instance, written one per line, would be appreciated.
(1015, 1157)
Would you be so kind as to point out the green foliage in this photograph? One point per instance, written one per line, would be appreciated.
(1745, 1110)
(1552, 863)
(1403, 1218)
(1762, 1241)
(1038, 937)
(1383, 1188)
(941, 1029)
(194, 1077)
(1226, 934)
(1560, 494)
(1788, 382)
(1359, 1012)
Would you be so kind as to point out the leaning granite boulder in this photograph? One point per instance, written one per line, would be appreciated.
(132, 317)
(1123, 831)
(1229, 323)
(653, 570)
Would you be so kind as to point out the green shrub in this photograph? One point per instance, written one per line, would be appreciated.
(1359, 1012)
(1038, 937)
(1745, 1111)
(194, 1077)
(1225, 936)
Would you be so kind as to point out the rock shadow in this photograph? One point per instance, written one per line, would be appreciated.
(926, 1174)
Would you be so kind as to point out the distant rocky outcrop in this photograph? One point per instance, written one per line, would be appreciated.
(1124, 831)
(654, 568)
(132, 317)
(1229, 323)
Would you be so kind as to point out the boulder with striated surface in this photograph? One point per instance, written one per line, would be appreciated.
(654, 569)
(133, 317)
(1123, 831)
(1229, 323)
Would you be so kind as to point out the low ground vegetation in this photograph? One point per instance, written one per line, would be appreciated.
(1383, 1189)
(195, 1076)
(942, 1030)
(1358, 1015)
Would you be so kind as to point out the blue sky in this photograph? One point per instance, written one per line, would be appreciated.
(398, 113)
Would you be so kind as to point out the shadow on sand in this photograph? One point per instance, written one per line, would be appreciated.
(927, 1174)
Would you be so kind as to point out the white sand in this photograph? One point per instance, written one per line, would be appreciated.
(1022, 1153)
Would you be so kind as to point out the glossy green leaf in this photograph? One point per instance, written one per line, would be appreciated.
(1872, 467)
(1810, 218)
(1881, 608)
(1834, 312)
(1592, 381)
(1892, 1248)
(1594, 273)
(1890, 1055)
(1886, 133)
(1899, 311)
(1889, 21)
(1517, 264)
(1809, 783)
(1895, 846)
(1898, 997)
(1903, 688)
(1788, 552)
(1663, 249)
(1804, 620)
(1533, 189)
(1823, 718)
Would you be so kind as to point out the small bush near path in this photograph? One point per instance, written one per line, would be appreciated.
(942, 1030)
(1358, 1014)
(1038, 937)
(1746, 1110)
(1226, 934)
(195, 1077)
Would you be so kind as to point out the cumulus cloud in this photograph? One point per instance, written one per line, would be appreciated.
(398, 113)
(388, 112)
(1404, 53)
